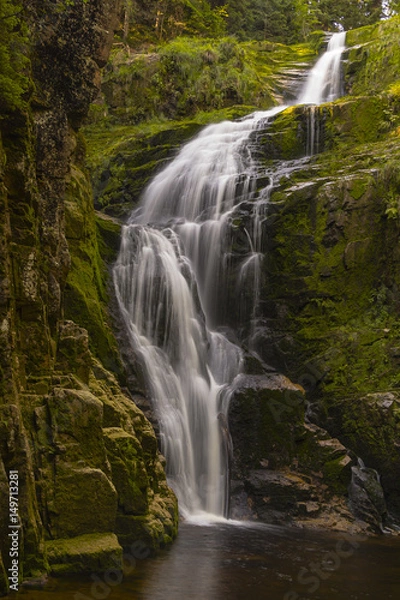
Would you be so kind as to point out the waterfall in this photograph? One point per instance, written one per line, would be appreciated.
(324, 82)
(184, 263)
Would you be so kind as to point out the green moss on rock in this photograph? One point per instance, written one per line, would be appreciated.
(121, 169)
(109, 237)
(276, 405)
(76, 419)
(85, 501)
(89, 553)
(373, 57)
(86, 287)
(155, 530)
(332, 268)
(187, 75)
(128, 470)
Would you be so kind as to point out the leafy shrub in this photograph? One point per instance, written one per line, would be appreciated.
(13, 81)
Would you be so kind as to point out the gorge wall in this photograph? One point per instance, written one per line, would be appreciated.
(91, 480)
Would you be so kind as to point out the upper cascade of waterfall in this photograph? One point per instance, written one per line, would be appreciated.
(202, 179)
(323, 84)
(188, 257)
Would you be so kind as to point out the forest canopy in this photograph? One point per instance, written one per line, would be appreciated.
(286, 21)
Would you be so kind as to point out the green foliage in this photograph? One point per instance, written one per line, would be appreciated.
(289, 21)
(195, 75)
(379, 306)
(348, 15)
(205, 20)
(374, 58)
(187, 75)
(286, 21)
(13, 63)
(393, 7)
(390, 180)
(263, 19)
(155, 20)
(65, 4)
(306, 18)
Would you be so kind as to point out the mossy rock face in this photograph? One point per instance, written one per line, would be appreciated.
(137, 470)
(360, 120)
(121, 170)
(128, 471)
(284, 469)
(85, 501)
(91, 553)
(285, 136)
(301, 131)
(265, 412)
(330, 300)
(373, 57)
(370, 425)
(323, 244)
(54, 318)
(86, 291)
(99, 460)
(15, 452)
(109, 237)
(152, 531)
(76, 421)
(73, 353)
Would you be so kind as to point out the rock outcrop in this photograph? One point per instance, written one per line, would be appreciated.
(86, 458)
(284, 469)
(332, 264)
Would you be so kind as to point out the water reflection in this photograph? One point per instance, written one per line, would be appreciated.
(256, 562)
(271, 563)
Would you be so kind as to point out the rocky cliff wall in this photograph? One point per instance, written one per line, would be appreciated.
(87, 460)
(331, 293)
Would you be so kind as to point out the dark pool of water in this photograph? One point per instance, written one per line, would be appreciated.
(222, 562)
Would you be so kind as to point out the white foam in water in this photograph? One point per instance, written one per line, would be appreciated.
(324, 81)
(171, 278)
(205, 518)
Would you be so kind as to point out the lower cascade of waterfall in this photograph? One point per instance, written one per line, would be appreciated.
(177, 277)
(186, 365)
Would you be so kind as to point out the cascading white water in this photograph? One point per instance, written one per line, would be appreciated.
(324, 82)
(184, 364)
(184, 260)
